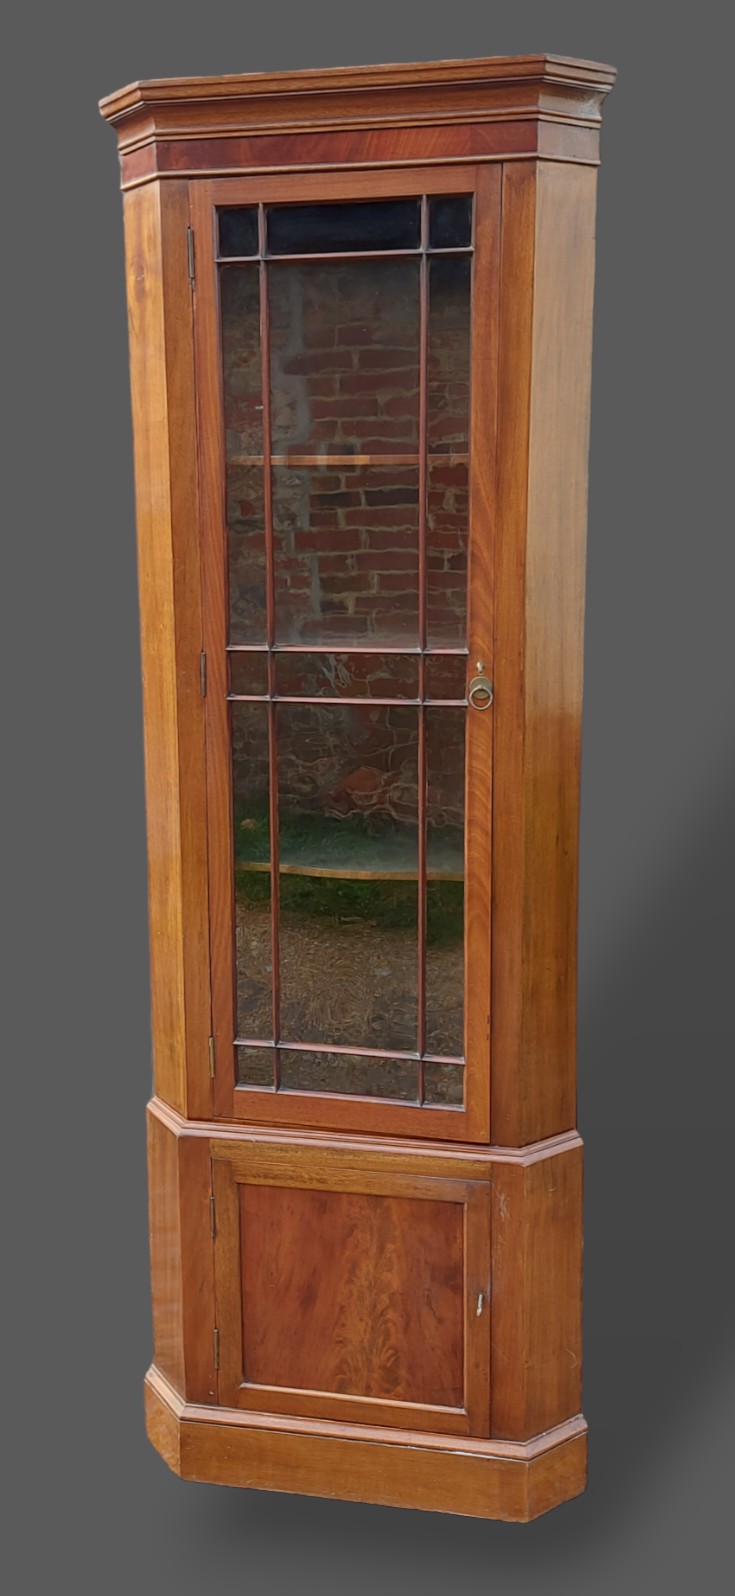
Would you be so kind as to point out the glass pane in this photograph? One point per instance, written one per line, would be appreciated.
(450, 283)
(255, 1066)
(450, 221)
(344, 357)
(347, 676)
(243, 439)
(445, 773)
(445, 761)
(246, 555)
(349, 853)
(349, 952)
(347, 777)
(339, 1072)
(346, 554)
(445, 967)
(252, 869)
(446, 676)
(240, 309)
(248, 673)
(238, 231)
(446, 553)
(321, 229)
(444, 1083)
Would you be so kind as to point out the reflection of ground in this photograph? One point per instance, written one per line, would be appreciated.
(346, 983)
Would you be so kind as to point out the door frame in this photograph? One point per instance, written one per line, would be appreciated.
(334, 1111)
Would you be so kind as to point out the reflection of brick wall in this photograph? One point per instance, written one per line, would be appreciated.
(346, 553)
(344, 357)
(339, 760)
(344, 342)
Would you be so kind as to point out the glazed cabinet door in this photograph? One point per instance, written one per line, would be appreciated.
(346, 340)
(351, 1287)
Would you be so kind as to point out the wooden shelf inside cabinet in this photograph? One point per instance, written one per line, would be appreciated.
(363, 860)
(360, 340)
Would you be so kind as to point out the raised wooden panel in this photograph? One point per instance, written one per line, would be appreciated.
(360, 1295)
(345, 1290)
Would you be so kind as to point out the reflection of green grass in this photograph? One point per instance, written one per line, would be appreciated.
(252, 832)
(315, 834)
(389, 905)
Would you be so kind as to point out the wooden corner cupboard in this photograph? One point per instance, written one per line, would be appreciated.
(360, 308)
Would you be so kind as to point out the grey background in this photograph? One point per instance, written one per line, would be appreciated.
(656, 1042)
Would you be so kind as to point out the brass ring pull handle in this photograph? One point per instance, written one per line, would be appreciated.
(480, 692)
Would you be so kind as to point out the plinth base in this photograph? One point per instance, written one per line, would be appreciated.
(509, 1480)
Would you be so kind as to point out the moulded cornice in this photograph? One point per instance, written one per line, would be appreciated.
(404, 95)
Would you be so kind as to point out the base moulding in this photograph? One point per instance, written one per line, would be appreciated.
(510, 1480)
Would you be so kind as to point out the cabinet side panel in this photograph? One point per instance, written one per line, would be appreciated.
(188, 639)
(166, 1257)
(516, 341)
(555, 572)
(197, 1269)
(546, 297)
(537, 1295)
(161, 374)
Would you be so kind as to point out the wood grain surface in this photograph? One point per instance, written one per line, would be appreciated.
(318, 1460)
(358, 1294)
(162, 391)
(537, 1295)
(348, 1290)
(355, 1298)
(441, 110)
(547, 273)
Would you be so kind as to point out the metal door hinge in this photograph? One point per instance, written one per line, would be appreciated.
(211, 1058)
(215, 1339)
(212, 1217)
(190, 254)
(203, 673)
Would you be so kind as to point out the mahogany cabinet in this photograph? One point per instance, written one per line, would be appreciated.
(360, 308)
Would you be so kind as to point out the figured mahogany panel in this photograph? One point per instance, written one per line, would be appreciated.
(351, 1293)
(312, 153)
(351, 1287)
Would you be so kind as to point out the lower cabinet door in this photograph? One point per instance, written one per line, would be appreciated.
(351, 1286)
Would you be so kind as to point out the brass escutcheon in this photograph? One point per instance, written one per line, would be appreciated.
(480, 692)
